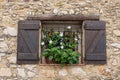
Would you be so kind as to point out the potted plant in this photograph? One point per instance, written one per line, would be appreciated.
(64, 56)
(60, 47)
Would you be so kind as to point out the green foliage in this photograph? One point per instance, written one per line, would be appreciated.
(64, 56)
(61, 49)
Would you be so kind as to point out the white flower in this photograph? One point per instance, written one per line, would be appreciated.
(76, 39)
(50, 41)
(61, 43)
(42, 43)
(69, 27)
(61, 34)
(62, 47)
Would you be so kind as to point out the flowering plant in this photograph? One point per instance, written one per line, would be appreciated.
(60, 47)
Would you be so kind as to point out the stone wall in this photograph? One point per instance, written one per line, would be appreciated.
(15, 10)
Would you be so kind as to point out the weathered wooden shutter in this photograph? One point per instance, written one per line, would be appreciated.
(28, 42)
(95, 42)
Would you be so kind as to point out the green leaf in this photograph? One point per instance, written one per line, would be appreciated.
(50, 57)
(75, 58)
(70, 62)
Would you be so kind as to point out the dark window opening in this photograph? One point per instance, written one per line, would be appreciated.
(61, 35)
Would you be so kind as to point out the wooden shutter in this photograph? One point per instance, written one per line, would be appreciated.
(95, 42)
(28, 42)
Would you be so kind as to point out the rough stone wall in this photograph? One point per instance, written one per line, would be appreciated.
(15, 10)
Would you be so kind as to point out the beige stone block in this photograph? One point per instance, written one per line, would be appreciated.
(21, 72)
(30, 67)
(77, 71)
(63, 72)
(116, 32)
(31, 74)
(35, 78)
(69, 78)
(44, 78)
(100, 69)
(84, 12)
(47, 73)
(3, 47)
(5, 72)
(13, 0)
(1, 0)
(12, 59)
(3, 63)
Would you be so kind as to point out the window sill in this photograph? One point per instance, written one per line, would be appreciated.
(60, 65)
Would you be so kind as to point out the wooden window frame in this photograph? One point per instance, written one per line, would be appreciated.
(65, 18)
(73, 24)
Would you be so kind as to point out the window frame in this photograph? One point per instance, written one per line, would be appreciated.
(78, 23)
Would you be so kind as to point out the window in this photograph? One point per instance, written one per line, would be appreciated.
(92, 39)
(60, 37)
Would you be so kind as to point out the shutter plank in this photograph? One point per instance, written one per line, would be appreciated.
(27, 56)
(28, 42)
(95, 42)
(31, 24)
(97, 25)
(96, 56)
